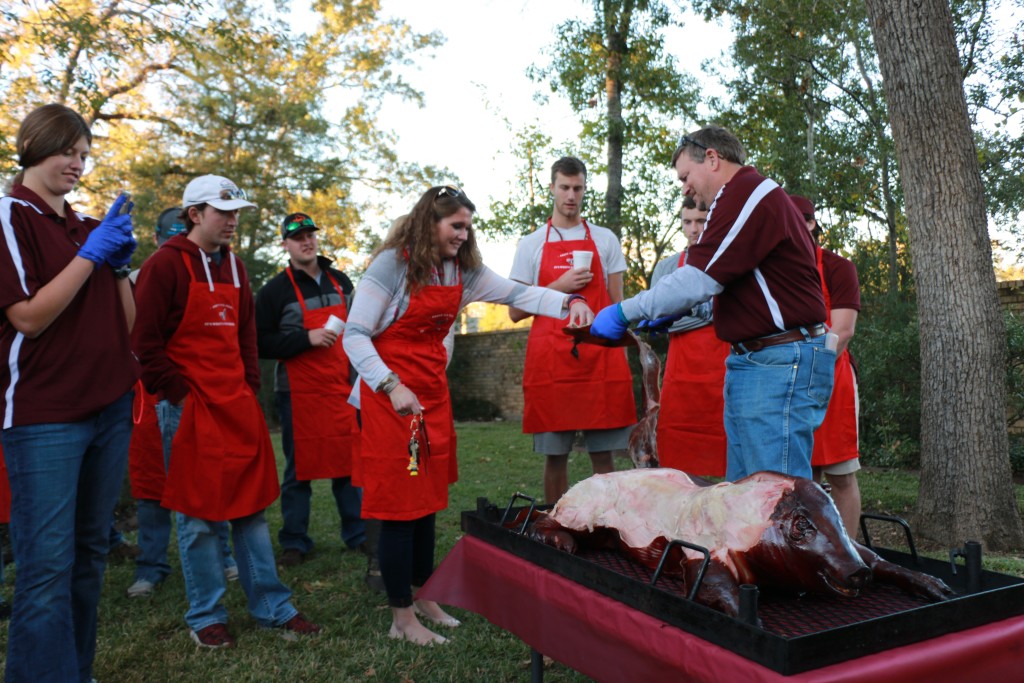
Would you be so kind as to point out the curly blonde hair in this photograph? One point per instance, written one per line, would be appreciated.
(414, 236)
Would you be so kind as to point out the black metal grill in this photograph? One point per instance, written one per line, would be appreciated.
(788, 616)
(797, 633)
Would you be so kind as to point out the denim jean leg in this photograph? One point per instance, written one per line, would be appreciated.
(168, 417)
(810, 400)
(43, 463)
(269, 599)
(154, 536)
(295, 495)
(202, 566)
(99, 487)
(199, 544)
(64, 480)
(115, 537)
(759, 391)
(224, 534)
(349, 500)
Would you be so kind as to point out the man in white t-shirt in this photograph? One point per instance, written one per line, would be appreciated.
(565, 391)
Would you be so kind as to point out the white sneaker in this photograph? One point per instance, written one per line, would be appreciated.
(141, 589)
(231, 573)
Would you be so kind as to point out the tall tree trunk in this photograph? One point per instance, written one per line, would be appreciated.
(617, 16)
(966, 490)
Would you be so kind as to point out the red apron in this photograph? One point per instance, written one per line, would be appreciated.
(324, 426)
(146, 450)
(563, 393)
(222, 462)
(5, 492)
(413, 347)
(835, 441)
(691, 431)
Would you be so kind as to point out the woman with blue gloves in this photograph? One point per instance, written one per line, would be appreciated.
(65, 394)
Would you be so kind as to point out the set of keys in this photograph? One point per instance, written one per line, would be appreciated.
(416, 427)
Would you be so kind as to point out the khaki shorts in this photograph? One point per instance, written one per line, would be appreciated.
(594, 440)
(846, 467)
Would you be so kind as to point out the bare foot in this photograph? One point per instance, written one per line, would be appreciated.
(405, 626)
(432, 612)
(416, 633)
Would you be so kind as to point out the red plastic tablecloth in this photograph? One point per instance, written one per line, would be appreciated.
(610, 641)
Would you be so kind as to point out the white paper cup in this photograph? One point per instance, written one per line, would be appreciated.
(581, 260)
(334, 324)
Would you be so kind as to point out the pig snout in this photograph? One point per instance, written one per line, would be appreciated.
(848, 581)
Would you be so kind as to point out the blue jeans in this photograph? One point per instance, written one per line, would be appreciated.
(202, 557)
(65, 480)
(154, 535)
(774, 400)
(295, 495)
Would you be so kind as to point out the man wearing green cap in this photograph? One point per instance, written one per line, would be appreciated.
(300, 317)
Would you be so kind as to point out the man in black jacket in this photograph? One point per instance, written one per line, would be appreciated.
(300, 316)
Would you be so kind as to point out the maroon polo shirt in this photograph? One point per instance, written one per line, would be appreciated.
(756, 245)
(83, 361)
(841, 280)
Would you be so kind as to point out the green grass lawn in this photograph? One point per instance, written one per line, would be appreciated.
(146, 639)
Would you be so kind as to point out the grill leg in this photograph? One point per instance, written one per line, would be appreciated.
(536, 667)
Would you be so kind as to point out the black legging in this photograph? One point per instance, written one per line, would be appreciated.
(406, 555)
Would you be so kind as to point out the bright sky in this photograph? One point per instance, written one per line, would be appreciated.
(477, 79)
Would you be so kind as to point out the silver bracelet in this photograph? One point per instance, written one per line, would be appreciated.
(389, 383)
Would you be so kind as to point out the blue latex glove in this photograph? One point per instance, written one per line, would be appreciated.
(110, 235)
(610, 323)
(123, 255)
(658, 325)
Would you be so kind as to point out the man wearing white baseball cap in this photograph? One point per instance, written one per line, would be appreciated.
(196, 340)
(217, 191)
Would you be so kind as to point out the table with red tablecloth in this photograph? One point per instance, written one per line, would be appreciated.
(610, 641)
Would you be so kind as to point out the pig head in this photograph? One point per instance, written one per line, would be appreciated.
(805, 547)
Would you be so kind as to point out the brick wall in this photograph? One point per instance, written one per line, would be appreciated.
(486, 374)
(1011, 295)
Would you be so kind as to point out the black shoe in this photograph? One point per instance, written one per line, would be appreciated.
(291, 557)
(5, 611)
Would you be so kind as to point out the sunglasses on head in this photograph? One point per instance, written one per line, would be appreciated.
(306, 222)
(448, 191)
(236, 193)
(687, 140)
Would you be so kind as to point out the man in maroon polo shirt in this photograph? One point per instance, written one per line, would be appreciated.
(757, 260)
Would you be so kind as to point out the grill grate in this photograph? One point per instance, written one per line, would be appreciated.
(787, 616)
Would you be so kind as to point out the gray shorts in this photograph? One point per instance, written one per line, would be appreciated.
(845, 467)
(594, 440)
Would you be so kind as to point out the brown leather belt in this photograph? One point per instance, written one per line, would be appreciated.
(787, 337)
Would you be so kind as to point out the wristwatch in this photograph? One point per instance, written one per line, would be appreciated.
(122, 272)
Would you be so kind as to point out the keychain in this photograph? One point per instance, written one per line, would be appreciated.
(418, 429)
(414, 448)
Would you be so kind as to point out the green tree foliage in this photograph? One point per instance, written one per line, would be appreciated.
(806, 98)
(888, 359)
(617, 57)
(183, 89)
(96, 56)
(529, 203)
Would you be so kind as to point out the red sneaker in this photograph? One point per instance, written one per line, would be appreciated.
(298, 626)
(213, 636)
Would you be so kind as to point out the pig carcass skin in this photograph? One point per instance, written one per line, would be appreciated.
(768, 529)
